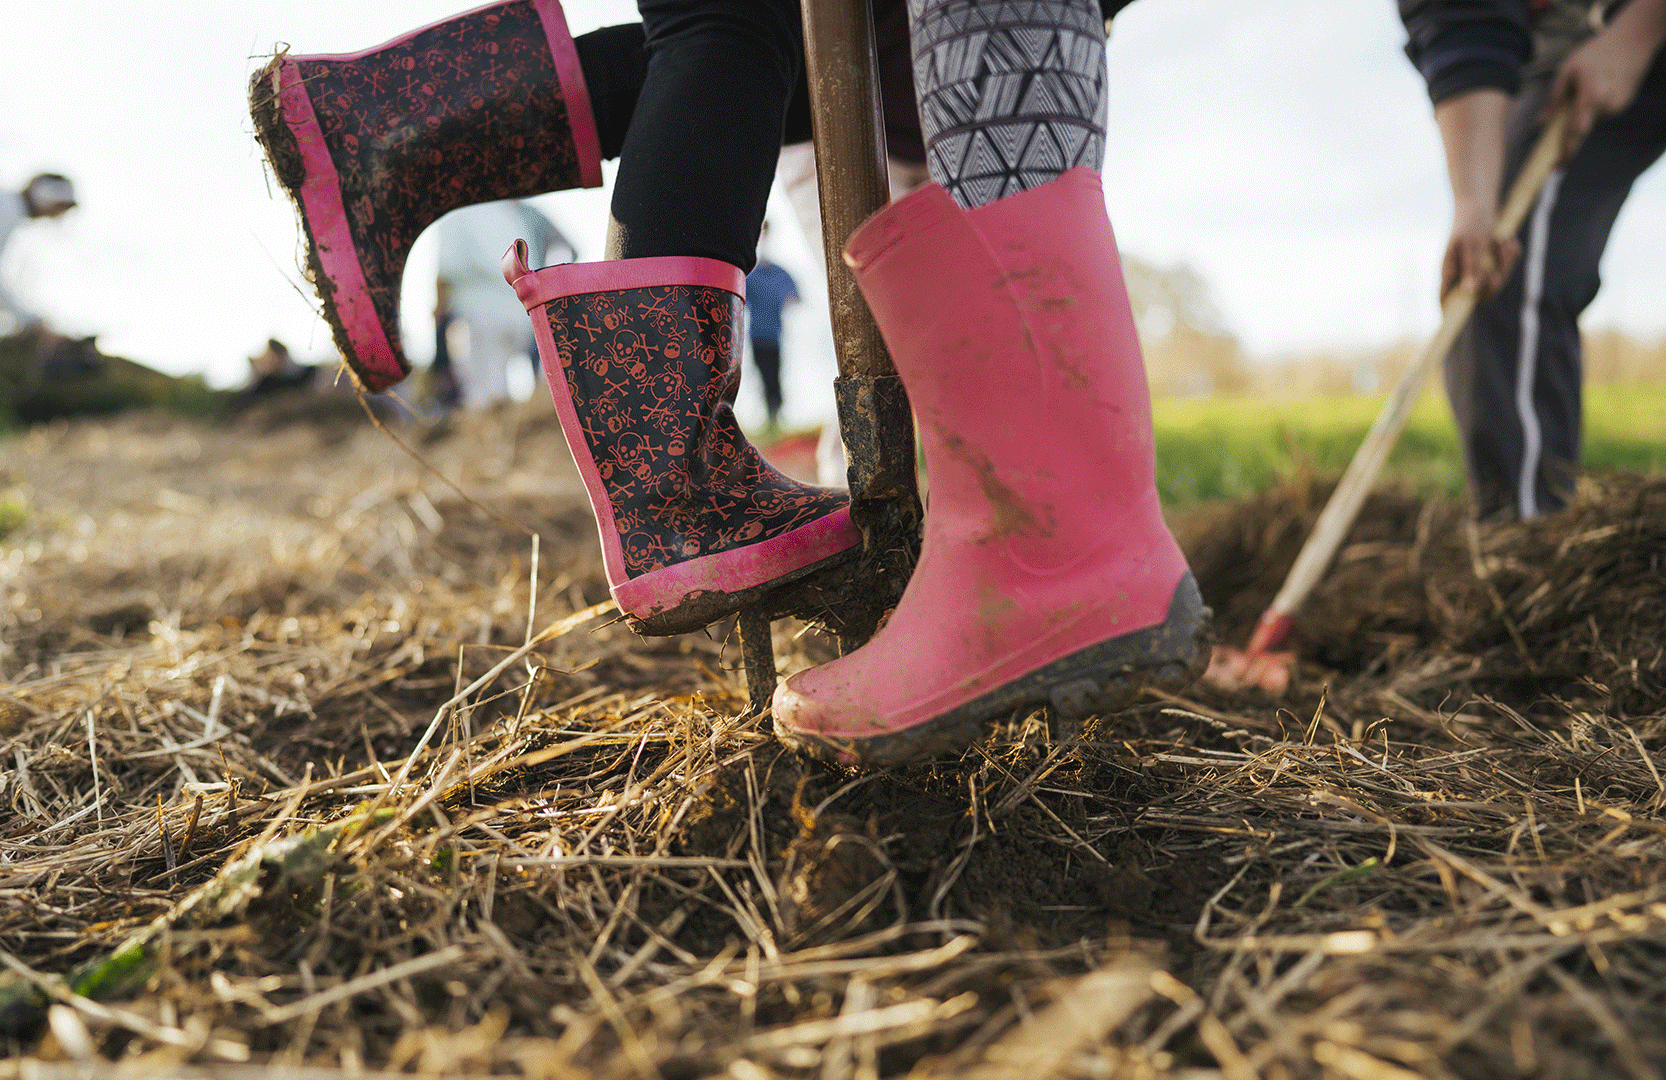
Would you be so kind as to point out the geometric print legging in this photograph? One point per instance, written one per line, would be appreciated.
(1011, 92)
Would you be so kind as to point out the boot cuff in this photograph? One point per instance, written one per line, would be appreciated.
(538, 287)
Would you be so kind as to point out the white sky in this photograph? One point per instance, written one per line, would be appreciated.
(1282, 147)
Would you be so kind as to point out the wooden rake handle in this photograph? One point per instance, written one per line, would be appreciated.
(1345, 502)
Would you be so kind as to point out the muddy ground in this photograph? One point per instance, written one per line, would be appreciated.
(269, 800)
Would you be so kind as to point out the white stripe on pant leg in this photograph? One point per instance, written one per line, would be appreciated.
(1533, 286)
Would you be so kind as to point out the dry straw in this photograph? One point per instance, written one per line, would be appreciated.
(294, 788)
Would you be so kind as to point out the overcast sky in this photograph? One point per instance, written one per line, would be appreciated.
(1282, 147)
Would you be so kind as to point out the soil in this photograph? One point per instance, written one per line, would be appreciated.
(222, 643)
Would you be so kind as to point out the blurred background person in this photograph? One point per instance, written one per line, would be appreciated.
(443, 393)
(483, 325)
(1495, 69)
(274, 371)
(769, 289)
(48, 195)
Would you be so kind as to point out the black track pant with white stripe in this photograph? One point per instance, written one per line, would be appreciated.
(1514, 377)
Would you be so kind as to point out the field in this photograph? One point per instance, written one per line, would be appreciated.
(1230, 447)
(317, 765)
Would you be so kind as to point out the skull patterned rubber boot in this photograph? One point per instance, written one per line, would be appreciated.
(694, 523)
(1046, 573)
(375, 146)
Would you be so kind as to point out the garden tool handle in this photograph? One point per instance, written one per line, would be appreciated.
(875, 420)
(850, 164)
(1345, 502)
(852, 183)
(874, 417)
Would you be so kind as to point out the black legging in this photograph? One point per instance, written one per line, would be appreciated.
(615, 65)
(696, 176)
(700, 153)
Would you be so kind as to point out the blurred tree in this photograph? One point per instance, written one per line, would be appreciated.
(1189, 352)
(1613, 357)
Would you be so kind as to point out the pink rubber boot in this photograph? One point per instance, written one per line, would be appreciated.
(1047, 575)
(694, 523)
(375, 146)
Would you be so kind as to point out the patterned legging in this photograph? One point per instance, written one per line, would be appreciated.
(1012, 92)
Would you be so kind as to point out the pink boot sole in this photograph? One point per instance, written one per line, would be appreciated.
(1094, 681)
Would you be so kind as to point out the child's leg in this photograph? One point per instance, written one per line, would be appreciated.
(696, 166)
(1046, 574)
(642, 350)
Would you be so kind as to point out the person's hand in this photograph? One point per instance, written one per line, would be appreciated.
(1601, 77)
(1473, 254)
(1472, 127)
